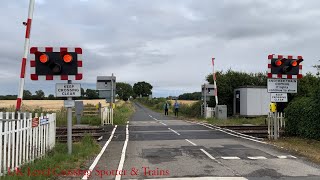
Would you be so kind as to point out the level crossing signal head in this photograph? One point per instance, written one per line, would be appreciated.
(280, 65)
(49, 62)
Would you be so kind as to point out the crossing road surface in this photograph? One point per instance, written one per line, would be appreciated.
(153, 146)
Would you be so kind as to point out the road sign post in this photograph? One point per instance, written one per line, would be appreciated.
(68, 90)
(69, 128)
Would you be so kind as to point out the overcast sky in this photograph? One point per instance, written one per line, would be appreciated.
(168, 43)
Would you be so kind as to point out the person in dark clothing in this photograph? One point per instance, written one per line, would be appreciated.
(176, 108)
(166, 109)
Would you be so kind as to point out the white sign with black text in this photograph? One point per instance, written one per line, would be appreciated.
(282, 85)
(279, 97)
(69, 103)
(68, 90)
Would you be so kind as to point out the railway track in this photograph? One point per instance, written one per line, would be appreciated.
(256, 131)
(78, 132)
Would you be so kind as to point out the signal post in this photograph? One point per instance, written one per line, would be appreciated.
(59, 63)
(283, 75)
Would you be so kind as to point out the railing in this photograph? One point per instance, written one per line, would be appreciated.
(24, 138)
(106, 116)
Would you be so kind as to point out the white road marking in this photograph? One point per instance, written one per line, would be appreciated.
(123, 153)
(208, 126)
(235, 132)
(209, 155)
(190, 142)
(230, 158)
(203, 178)
(282, 157)
(174, 131)
(163, 123)
(150, 116)
(292, 156)
(127, 122)
(219, 129)
(93, 165)
(257, 157)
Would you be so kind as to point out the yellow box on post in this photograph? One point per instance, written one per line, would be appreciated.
(273, 107)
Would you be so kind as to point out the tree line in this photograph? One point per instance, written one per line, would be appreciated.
(123, 91)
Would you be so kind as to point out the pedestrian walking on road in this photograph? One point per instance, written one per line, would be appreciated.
(176, 108)
(166, 109)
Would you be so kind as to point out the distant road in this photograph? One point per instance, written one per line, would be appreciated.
(155, 146)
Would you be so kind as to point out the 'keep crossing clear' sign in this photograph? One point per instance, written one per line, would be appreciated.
(68, 90)
(279, 97)
(282, 85)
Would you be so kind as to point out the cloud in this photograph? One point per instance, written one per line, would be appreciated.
(167, 43)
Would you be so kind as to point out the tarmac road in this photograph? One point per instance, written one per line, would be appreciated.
(154, 146)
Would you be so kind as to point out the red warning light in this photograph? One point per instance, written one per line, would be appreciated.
(43, 58)
(278, 62)
(67, 58)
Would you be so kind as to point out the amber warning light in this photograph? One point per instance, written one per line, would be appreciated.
(67, 58)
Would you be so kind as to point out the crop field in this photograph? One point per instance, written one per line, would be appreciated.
(50, 105)
(188, 102)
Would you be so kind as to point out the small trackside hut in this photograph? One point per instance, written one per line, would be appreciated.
(251, 101)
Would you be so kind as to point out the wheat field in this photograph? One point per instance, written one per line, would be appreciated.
(188, 102)
(50, 105)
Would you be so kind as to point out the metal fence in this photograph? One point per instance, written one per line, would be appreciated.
(106, 116)
(24, 138)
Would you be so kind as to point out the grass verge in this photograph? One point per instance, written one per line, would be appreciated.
(237, 121)
(304, 147)
(122, 113)
(229, 122)
(58, 163)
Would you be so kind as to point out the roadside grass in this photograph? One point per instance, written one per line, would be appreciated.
(228, 122)
(237, 121)
(305, 147)
(123, 112)
(58, 162)
(61, 117)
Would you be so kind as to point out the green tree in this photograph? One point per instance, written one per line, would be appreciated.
(124, 90)
(39, 95)
(51, 97)
(303, 115)
(142, 88)
(27, 95)
(190, 96)
(92, 94)
(230, 80)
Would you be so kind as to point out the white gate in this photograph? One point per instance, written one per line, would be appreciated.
(106, 116)
(210, 112)
(24, 138)
(276, 122)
